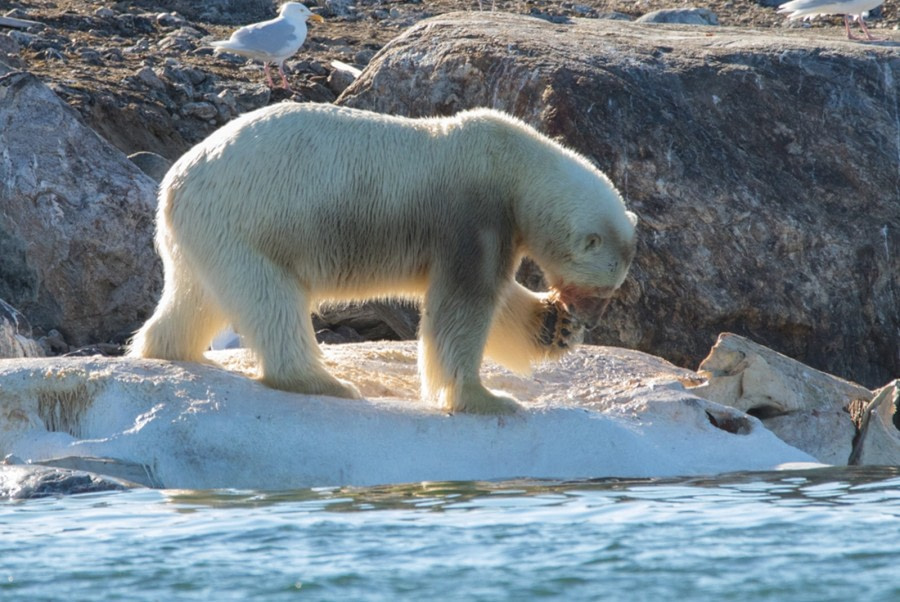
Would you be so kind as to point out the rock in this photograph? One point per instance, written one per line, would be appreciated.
(879, 436)
(225, 103)
(339, 335)
(340, 8)
(362, 57)
(804, 407)
(148, 77)
(10, 53)
(170, 20)
(683, 16)
(108, 349)
(342, 76)
(151, 164)
(375, 320)
(225, 12)
(200, 110)
(250, 97)
(130, 473)
(15, 18)
(314, 91)
(20, 482)
(15, 334)
(602, 412)
(53, 343)
(763, 210)
(76, 230)
(614, 16)
(90, 56)
(308, 66)
(176, 43)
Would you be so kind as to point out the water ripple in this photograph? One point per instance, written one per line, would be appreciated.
(817, 535)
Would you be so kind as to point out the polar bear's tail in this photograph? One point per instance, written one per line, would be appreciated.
(187, 317)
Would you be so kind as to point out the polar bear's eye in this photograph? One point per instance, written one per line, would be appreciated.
(593, 241)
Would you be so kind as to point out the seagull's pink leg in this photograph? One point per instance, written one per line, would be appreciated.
(284, 80)
(850, 36)
(268, 75)
(862, 24)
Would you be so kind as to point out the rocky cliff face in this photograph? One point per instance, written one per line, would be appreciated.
(76, 221)
(765, 169)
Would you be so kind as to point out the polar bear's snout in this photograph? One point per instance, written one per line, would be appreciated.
(587, 304)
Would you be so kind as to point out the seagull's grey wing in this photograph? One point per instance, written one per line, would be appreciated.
(828, 7)
(275, 38)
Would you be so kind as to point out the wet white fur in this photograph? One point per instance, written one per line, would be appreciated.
(297, 204)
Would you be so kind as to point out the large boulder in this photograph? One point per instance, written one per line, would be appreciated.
(76, 225)
(762, 165)
(806, 408)
(879, 430)
(602, 412)
(21, 481)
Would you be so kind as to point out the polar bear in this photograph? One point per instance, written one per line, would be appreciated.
(294, 204)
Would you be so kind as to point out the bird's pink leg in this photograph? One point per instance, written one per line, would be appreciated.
(268, 75)
(284, 80)
(862, 25)
(850, 36)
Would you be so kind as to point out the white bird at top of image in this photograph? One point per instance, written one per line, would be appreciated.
(271, 41)
(807, 9)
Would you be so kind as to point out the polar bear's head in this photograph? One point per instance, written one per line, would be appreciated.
(584, 238)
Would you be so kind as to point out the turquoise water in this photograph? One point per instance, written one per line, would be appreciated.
(828, 534)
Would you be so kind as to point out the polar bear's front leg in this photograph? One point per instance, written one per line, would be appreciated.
(453, 330)
(531, 327)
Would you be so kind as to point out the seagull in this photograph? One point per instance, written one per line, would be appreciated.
(271, 41)
(808, 9)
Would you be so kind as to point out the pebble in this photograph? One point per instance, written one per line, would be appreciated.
(251, 97)
(53, 343)
(200, 110)
(181, 93)
(148, 77)
(90, 56)
(170, 20)
(177, 42)
(112, 55)
(684, 16)
(52, 54)
(339, 8)
(339, 80)
(363, 57)
(308, 66)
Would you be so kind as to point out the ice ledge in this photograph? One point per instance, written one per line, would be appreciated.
(602, 412)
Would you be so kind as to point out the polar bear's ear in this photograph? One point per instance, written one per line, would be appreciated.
(632, 218)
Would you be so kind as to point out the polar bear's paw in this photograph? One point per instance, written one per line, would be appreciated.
(473, 398)
(560, 330)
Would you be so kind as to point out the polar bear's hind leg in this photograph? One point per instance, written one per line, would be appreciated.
(278, 328)
(185, 320)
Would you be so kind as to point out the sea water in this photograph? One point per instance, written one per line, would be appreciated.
(816, 535)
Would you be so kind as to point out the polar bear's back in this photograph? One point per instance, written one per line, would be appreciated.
(363, 193)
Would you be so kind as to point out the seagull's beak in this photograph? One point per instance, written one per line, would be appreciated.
(317, 18)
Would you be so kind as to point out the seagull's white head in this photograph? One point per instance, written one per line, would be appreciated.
(295, 11)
